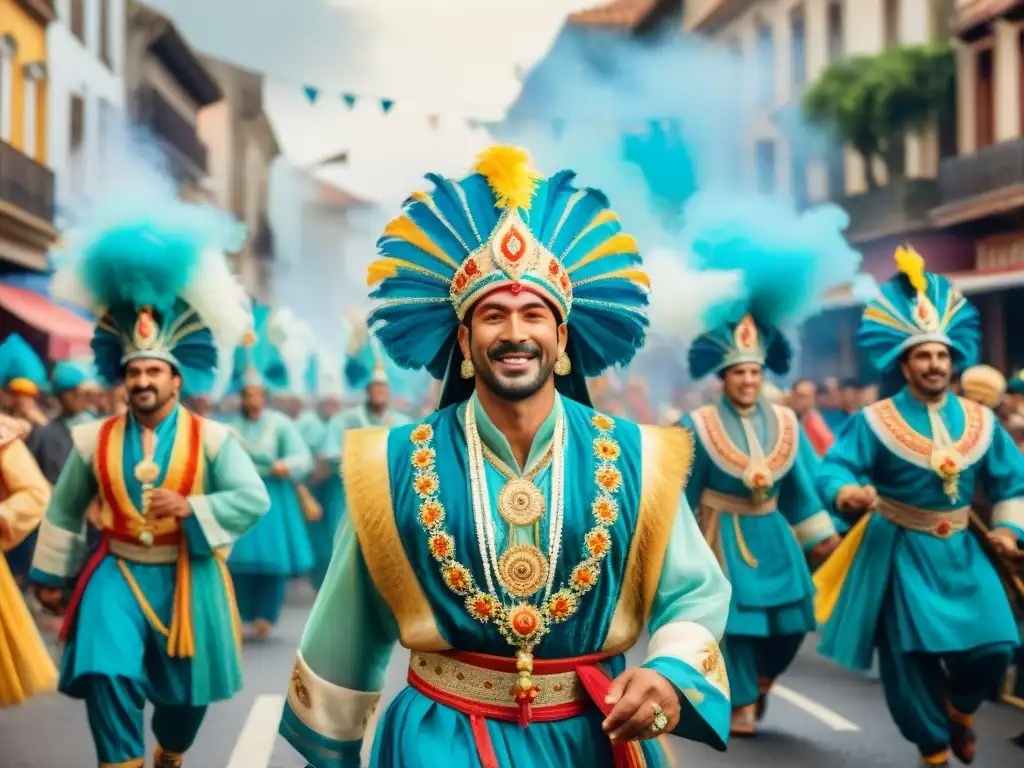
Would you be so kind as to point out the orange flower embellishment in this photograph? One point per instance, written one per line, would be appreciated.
(561, 606)
(481, 607)
(426, 483)
(457, 578)
(759, 480)
(431, 513)
(442, 546)
(583, 577)
(597, 543)
(605, 509)
(609, 478)
(602, 422)
(423, 458)
(422, 433)
(525, 620)
(606, 449)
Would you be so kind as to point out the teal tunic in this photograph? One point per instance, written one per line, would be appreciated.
(336, 685)
(112, 638)
(312, 428)
(946, 593)
(279, 546)
(330, 492)
(772, 592)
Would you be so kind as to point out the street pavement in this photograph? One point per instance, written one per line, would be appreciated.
(822, 717)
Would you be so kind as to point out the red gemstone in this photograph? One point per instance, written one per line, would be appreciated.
(470, 268)
(942, 528)
(515, 288)
(513, 245)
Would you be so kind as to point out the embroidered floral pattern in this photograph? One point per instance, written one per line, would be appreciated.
(725, 452)
(521, 623)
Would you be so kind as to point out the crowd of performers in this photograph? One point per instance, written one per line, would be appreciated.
(516, 539)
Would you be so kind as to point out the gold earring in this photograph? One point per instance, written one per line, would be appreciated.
(466, 370)
(563, 366)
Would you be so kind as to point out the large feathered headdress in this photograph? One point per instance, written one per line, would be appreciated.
(153, 269)
(785, 262)
(257, 361)
(295, 344)
(916, 307)
(506, 226)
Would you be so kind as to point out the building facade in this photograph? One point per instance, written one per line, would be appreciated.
(26, 181)
(166, 85)
(241, 147)
(86, 94)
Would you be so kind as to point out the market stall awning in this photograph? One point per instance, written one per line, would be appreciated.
(68, 335)
(975, 281)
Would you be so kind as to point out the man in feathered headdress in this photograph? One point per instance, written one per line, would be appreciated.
(278, 549)
(752, 483)
(515, 521)
(910, 579)
(23, 380)
(152, 616)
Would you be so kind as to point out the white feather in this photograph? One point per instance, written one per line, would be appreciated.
(295, 342)
(220, 301)
(681, 296)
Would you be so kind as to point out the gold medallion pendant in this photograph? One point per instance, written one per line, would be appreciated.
(522, 570)
(147, 472)
(521, 502)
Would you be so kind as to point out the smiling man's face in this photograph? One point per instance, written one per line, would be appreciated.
(928, 368)
(513, 341)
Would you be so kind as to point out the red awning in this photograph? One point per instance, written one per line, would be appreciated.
(68, 335)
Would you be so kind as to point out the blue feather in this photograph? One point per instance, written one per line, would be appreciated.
(19, 361)
(549, 201)
(450, 206)
(432, 227)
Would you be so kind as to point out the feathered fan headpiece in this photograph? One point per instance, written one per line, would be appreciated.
(506, 226)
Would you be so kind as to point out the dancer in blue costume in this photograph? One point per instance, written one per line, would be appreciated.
(516, 541)
(278, 549)
(910, 579)
(310, 423)
(752, 483)
(364, 369)
(152, 617)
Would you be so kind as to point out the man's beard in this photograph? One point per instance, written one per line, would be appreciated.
(518, 389)
(158, 400)
(933, 390)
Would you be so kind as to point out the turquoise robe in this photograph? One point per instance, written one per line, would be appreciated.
(115, 656)
(916, 597)
(402, 597)
(772, 592)
(330, 492)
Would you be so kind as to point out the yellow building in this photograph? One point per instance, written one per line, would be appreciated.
(26, 184)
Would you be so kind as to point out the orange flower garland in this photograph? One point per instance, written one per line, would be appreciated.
(521, 624)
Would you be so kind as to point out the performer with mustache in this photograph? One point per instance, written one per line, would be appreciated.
(910, 579)
(516, 541)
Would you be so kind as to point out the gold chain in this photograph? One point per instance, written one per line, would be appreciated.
(510, 474)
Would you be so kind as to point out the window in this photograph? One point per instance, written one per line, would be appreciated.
(7, 51)
(984, 112)
(32, 74)
(76, 154)
(105, 33)
(765, 167)
(835, 30)
(892, 23)
(798, 47)
(765, 48)
(76, 18)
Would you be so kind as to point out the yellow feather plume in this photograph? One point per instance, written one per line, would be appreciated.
(381, 269)
(911, 264)
(507, 170)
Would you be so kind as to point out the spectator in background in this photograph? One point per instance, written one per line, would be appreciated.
(849, 402)
(802, 400)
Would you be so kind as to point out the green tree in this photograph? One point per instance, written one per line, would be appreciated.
(872, 103)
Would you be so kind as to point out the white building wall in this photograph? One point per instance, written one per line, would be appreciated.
(76, 68)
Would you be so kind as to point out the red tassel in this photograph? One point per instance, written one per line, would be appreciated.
(524, 698)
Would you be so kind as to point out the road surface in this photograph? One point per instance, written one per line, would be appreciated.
(822, 717)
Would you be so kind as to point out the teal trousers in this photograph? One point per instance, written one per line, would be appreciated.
(749, 660)
(260, 596)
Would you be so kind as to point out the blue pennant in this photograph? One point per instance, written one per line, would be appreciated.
(386, 105)
(349, 99)
(311, 93)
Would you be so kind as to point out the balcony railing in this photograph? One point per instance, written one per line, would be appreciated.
(167, 124)
(898, 208)
(25, 183)
(991, 169)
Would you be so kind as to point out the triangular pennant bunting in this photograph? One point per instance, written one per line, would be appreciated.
(349, 99)
(311, 93)
(386, 105)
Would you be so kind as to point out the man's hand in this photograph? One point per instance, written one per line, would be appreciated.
(856, 498)
(824, 548)
(165, 503)
(51, 598)
(633, 695)
(280, 469)
(1005, 542)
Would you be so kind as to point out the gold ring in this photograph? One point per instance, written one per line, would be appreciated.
(660, 720)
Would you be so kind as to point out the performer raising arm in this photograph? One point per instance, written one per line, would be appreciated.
(910, 579)
(153, 614)
(516, 541)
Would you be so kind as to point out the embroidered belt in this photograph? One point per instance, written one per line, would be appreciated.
(939, 524)
(714, 504)
(164, 551)
(482, 687)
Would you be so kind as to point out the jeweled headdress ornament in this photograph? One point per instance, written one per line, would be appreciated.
(507, 227)
(153, 269)
(916, 307)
